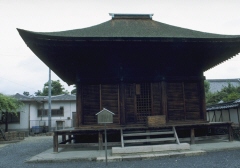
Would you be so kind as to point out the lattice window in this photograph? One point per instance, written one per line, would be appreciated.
(143, 100)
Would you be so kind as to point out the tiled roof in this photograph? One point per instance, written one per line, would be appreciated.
(39, 98)
(63, 97)
(22, 97)
(218, 84)
(134, 27)
(45, 98)
(224, 80)
(237, 101)
(222, 106)
(138, 40)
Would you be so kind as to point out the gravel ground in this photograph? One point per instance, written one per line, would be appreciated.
(14, 156)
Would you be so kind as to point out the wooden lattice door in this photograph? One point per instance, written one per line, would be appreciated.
(138, 102)
(143, 102)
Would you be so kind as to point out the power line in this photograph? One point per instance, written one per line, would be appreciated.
(17, 83)
(13, 55)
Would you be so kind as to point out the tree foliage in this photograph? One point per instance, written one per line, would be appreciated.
(56, 89)
(26, 93)
(9, 104)
(227, 94)
(206, 86)
(74, 91)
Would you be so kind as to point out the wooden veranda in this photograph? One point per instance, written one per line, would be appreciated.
(68, 135)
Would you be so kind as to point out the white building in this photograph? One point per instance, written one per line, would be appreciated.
(33, 116)
(224, 112)
(218, 84)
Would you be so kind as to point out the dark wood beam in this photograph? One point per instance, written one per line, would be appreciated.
(79, 105)
(202, 100)
(164, 99)
(122, 103)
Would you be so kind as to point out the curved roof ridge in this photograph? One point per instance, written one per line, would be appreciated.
(133, 28)
(169, 51)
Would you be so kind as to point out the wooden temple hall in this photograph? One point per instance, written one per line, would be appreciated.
(148, 73)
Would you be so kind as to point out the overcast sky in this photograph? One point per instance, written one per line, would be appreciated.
(21, 70)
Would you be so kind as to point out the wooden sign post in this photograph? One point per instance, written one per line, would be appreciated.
(105, 117)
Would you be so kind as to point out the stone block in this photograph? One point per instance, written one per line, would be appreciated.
(150, 148)
(131, 149)
(171, 147)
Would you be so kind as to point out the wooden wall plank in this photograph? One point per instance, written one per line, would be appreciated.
(91, 103)
(183, 101)
(151, 94)
(156, 99)
(164, 99)
(110, 98)
(202, 100)
(177, 100)
(192, 101)
(121, 105)
(130, 102)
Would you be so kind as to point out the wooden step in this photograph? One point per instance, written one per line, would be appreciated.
(149, 136)
(148, 133)
(149, 140)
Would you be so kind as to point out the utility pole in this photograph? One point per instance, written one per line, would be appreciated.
(49, 102)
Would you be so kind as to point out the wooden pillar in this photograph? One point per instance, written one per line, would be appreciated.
(100, 97)
(230, 132)
(238, 117)
(229, 114)
(121, 100)
(79, 105)
(70, 138)
(63, 138)
(151, 93)
(215, 116)
(209, 119)
(192, 136)
(135, 103)
(202, 100)
(122, 140)
(55, 142)
(6, 121)
(164, 99)
(221, 116)
(100, 141)
(184, 101)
